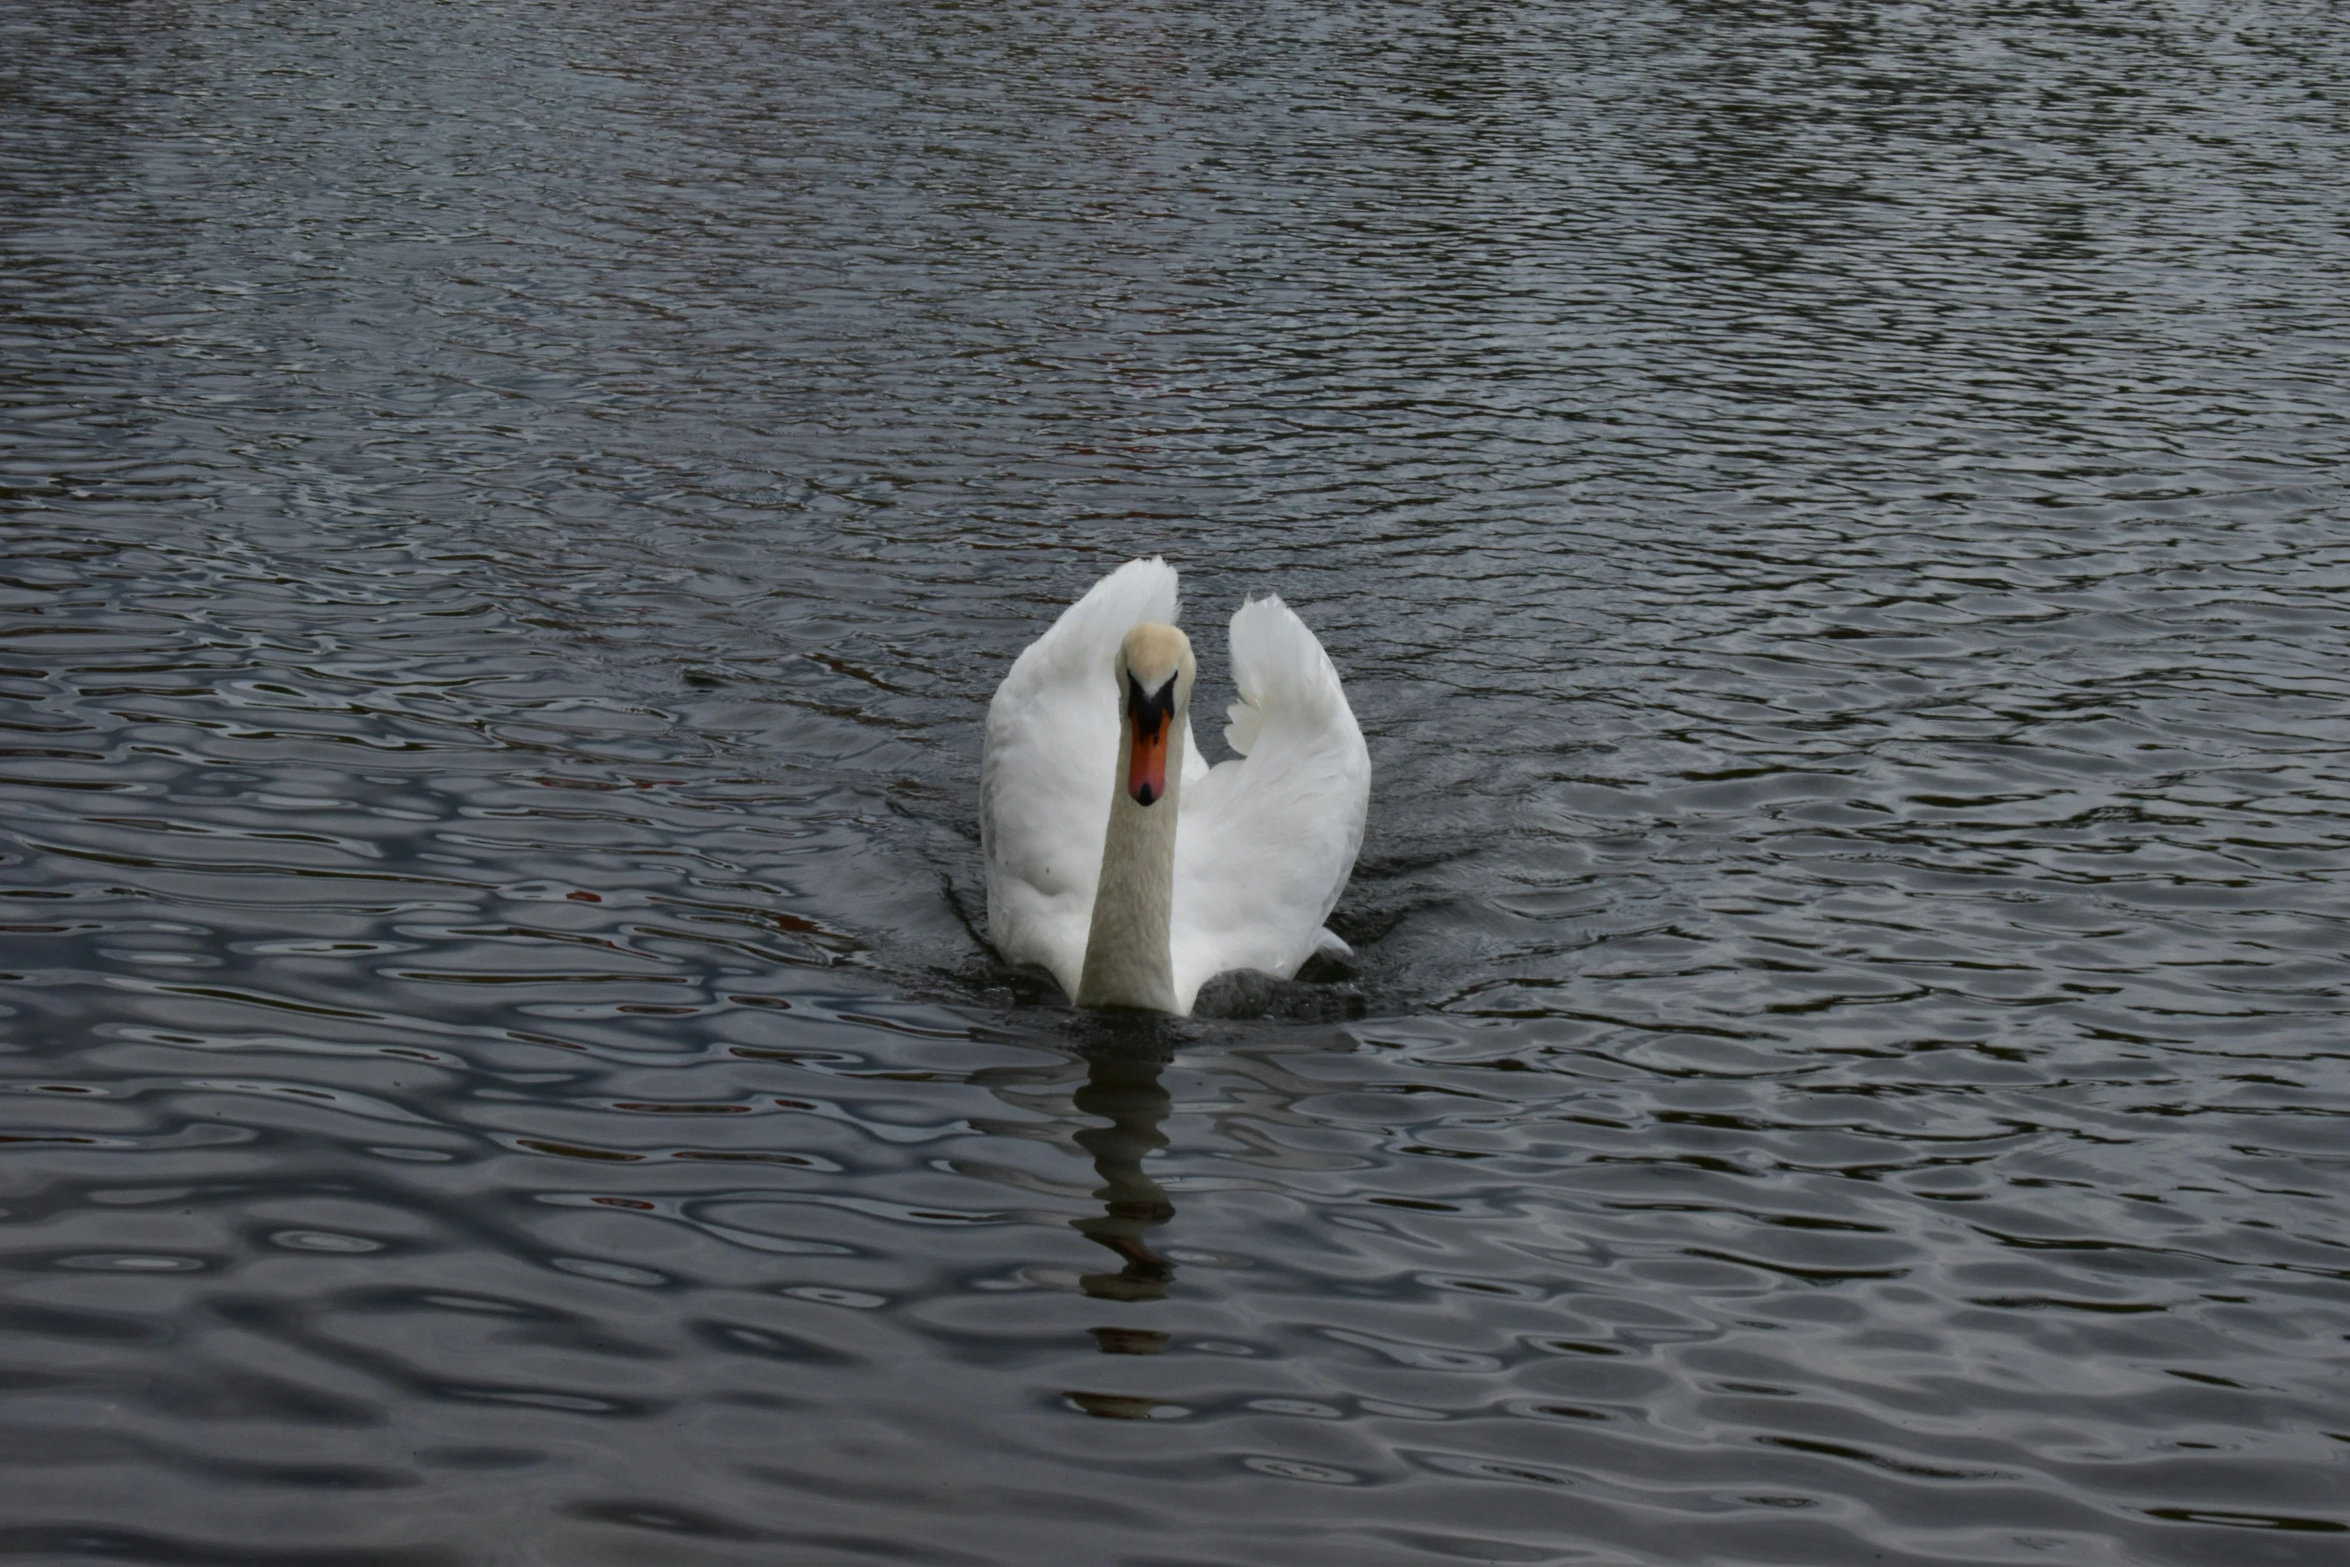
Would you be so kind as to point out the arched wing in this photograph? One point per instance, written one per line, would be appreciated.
(1266, 842)
(1050, 764)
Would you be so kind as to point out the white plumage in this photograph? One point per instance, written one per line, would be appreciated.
(1263, 843)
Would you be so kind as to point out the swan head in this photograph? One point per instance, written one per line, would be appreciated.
(1155, 670)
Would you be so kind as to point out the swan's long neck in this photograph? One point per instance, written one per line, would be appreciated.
(1127, 961)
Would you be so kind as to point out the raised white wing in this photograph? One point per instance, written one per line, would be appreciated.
(1051, 762)
(1265, 843)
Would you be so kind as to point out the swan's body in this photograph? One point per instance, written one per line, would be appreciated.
(1135, 890)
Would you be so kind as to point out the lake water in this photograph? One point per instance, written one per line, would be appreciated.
(1832, 517)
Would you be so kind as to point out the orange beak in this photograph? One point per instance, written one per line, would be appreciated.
(1146, 764)
(1149, 721)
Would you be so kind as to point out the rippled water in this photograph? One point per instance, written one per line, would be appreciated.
(1832, 517)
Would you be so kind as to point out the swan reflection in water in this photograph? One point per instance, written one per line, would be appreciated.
(1123, 1064)
(1124, 1060)
(1123, 1088)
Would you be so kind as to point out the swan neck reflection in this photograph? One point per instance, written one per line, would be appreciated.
(1125, 1091)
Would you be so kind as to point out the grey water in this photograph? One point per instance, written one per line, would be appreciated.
(1833, 519)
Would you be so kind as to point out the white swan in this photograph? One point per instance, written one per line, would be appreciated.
(1116, 857)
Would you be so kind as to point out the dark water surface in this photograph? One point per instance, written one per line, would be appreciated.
(1833, 518)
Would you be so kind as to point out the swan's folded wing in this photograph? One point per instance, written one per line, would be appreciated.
(1266, 842)
(1051, 762)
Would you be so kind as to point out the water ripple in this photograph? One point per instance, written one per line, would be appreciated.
(1830, 518)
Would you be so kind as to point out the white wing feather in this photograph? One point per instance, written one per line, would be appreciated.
(1265, 844)
(1051, 763)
